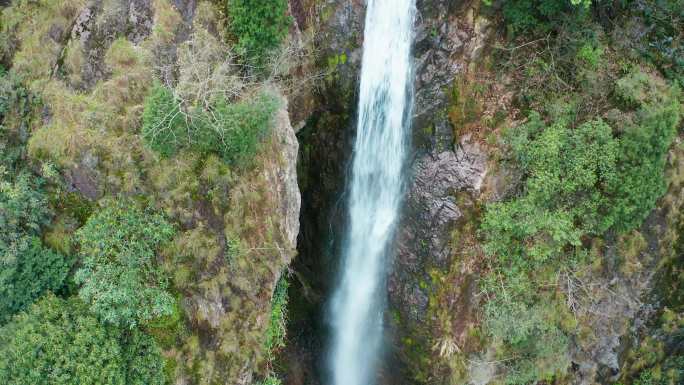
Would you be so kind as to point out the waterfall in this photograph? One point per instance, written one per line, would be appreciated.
(375, 195)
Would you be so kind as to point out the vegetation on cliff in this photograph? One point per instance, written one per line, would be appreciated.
(140, 192)
(60, 342)
(592, 157)
(259, 27)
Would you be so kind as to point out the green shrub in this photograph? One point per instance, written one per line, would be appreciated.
(119, 276)
(242, 126)
(164, 126)
(23, 211)
(270, 380)
(15, 105)
(36, 271)
(590, 55)
(275, 334)
(565, 197)
(665, 35)
(531, 336)
(541, 16)
(644, 145)
(58, 342)
(232, 130)
(142, 359)
(259, 26)
(566, 174)
(27, 269)
(577, 183)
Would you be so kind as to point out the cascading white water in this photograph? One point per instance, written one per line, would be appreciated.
(375, 190)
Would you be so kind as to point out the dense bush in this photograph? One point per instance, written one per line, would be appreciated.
(567, 173)
(27, 269)
(59, 342)
(578, 182)
(163, 123)
(240, 127)
(275, 334)
(23, 210)
(36, 271)
(232, 130)
(529, 334)
(644, 143)
(541, 16)
(665, 48)
(586, 180)
(259, 26)
(120, 279)
(15, 105)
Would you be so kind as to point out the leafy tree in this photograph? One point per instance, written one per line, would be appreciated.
(36, 271)
(23, 210)
(259, 26)
(566, 173)
(577, 183)
(232, 130)
(119, 277)
(665, 35)
(241, 126)
(164, 125)
(541, 16)
(529, 333)
(644, 143)
(58, 342)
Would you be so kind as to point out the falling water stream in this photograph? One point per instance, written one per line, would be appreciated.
(385, 101)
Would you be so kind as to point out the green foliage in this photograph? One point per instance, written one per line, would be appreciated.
(577, 183)
(242, 126)
(671, 372)
(27, 269)
(541, 16)
(275, 334)
(15, 102)
(120, 279)
(529, 334)
(232, 130)
(665, 35)
(584, 181)
(23, 210)
(590, 55)
(259, 26)
(644, 144)
(58, 342)
(567, 172)
(142, 359)
(277, 327)
(163, 123)
(565, 197)
(36, 271)
(270, 380)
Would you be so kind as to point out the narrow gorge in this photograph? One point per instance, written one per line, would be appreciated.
(341, 192)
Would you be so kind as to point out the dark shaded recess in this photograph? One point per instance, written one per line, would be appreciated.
(326, 145)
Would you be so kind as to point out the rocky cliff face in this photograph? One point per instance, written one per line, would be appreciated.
(236, 226)
(435, 307)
